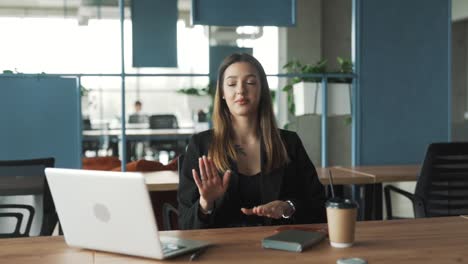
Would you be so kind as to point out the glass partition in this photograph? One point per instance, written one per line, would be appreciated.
(82, 38)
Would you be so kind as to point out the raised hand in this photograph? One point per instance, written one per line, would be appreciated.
(210, 185)
(274, 209)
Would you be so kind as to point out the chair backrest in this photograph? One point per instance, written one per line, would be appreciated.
(22, 208)
(180, 162)
(163, 121)
(170, 213)
(27, 177)
(86, 124)
(137, 119)
(443, 183)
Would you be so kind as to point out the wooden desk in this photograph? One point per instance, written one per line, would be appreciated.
(387, 173)
(372, 208)
(341, 177)
(434, 240)
(169, 180)
(42, 250)
(162, 181)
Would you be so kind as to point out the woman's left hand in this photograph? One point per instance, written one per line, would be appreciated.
(274, 209)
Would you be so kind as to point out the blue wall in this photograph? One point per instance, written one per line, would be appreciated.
(40, 117)
(404, 79)
(218, 54)
(244, 12)
(154, 33)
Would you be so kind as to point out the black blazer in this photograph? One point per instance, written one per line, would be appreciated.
(297, 181)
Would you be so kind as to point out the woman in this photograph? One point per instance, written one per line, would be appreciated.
(246, 171)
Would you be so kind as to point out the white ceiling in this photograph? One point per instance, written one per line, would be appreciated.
(38, 3)
(51, 8)
(183, 4)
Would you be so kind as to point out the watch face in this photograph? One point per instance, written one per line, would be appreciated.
(206, 212)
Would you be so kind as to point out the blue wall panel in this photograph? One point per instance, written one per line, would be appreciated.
(404, 79)
(217, 55)
(244, 12)
(154, 33)
(40, 117)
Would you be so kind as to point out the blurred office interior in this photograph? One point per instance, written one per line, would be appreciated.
(394, 72)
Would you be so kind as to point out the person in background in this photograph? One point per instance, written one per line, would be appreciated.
(137, 117)
(245, 171)
(137, 106)
(137, 149)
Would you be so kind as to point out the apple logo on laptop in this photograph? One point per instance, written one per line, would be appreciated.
(101, 212)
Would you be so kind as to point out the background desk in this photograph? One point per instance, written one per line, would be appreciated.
(386, 173)
(162, 181)
(141, 134)
(169, 180)
(342, 177)
(135, 135)
(431, 240)
(373, 198)
(369, 176)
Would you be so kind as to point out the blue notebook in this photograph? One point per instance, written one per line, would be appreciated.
(293, 240)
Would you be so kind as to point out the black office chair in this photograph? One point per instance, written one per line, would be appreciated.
(163, 121)
(138, 119)
(19, 219)
(27, 177)
(173, 147)
(170, 213)
(442, 187)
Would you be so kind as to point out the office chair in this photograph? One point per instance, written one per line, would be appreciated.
(27, 177)
(169, 212)
(164, 122)
(19, 219)
(442, 187)
(137, 119)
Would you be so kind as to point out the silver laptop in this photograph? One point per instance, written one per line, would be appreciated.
(111, 211)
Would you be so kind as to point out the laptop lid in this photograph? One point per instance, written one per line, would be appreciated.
(107, 211)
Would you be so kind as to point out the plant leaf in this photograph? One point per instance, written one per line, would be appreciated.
(287, 88)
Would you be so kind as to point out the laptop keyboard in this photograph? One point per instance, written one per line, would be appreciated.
(170, 247)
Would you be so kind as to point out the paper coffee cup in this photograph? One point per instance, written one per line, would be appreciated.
(341, 216)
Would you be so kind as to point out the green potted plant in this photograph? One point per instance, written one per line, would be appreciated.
(305, 93)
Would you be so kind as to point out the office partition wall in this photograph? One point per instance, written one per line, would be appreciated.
(40, 117)
(403, 97)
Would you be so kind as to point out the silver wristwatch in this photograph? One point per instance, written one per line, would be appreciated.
(292, 207)
(205, 212)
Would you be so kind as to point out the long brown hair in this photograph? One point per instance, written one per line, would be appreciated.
(222, 146)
